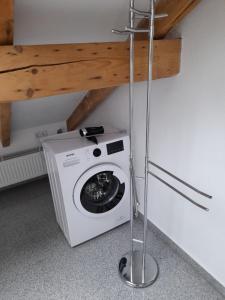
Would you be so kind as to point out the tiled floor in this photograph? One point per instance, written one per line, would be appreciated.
(37, 263)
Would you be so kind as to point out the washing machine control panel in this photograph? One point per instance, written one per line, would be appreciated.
(93, 153)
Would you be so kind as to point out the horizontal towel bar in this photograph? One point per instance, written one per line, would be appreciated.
(180, 180)
(179, 192)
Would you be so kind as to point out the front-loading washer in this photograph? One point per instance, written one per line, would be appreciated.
(89, 183)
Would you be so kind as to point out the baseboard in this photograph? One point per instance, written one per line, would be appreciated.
(208, 277)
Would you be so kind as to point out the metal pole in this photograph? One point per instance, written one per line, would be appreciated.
(138, 268)
(131, 113)
(147, 132)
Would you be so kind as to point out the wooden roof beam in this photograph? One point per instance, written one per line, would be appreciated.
(86, 107)
(29, 72)
(6, 38)
(5, 123)
(176, 10)
(6, 22)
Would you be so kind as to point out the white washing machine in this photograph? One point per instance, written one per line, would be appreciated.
(89, 183)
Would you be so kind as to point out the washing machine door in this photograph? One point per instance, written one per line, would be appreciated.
(100, 190)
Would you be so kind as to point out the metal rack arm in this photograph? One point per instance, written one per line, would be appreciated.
(180, 180)
(121, 32)
(147, 14)
(179, 192)
(129, 30)
(134, 30)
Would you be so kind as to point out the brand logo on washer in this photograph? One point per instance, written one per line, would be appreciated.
(71, 162)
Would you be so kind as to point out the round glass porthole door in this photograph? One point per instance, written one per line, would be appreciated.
(100, 190)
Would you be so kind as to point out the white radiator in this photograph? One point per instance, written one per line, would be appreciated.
(21, 168)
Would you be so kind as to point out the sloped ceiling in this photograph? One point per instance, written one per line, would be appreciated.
(67, 21)
(28, 114)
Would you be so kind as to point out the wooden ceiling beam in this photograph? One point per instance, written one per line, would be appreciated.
(86, 107)
(6, 38)
(176, 10)
(5, 123)
(30, 72)
(94, 97)
(6, 22)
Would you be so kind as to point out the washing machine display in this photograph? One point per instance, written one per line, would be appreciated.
(102, 192)
(115, 147)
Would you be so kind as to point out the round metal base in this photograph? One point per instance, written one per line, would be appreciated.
(137, 280)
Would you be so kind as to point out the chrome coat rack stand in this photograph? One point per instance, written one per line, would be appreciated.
(138, 268)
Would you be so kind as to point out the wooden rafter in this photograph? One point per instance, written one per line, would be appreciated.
(176, 10)
(5, 123)
(30, 72)
(86, 107)
(6, 22)
(6, 38)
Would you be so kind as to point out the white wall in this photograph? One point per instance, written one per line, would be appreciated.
(187, 138)
(27, 139)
